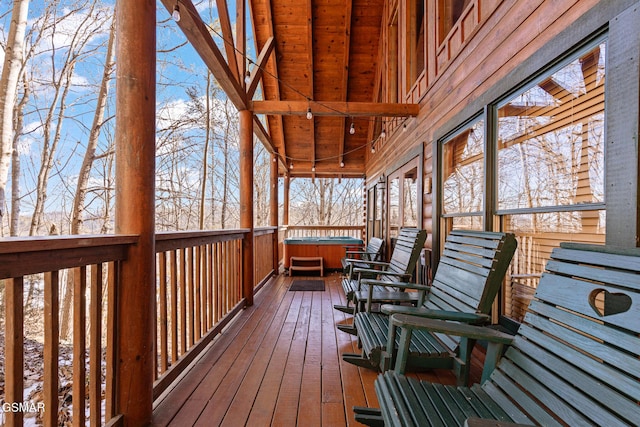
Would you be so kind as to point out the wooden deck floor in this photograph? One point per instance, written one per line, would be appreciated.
(278, 364)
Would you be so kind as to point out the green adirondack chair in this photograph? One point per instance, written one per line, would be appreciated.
(400, 267)
(360, 259)
(574, 361)
(468, 278)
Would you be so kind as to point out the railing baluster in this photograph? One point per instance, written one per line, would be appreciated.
(13, 341)
(197, 292)
(162, 283)
(218, 278)
(111, 356)
(79, 344)
(95, 345)
(51, 345)
(183, 300)
(190, 284)
(174, 306)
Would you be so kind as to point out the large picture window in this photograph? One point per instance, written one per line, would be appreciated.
(548, 149)
(415, 41)
(463, 178)
(404, 209)
(551, 168)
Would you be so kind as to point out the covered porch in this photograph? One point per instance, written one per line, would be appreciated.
(199, 327)
(279, 363)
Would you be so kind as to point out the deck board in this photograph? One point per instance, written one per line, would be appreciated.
(278, 364)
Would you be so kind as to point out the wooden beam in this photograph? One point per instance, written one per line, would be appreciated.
(246, 202)
(274, 71)
(273, 208)
(227, 33)
(331, 108)
(345, 76)
(261, 62)
(310, 45)
(135, 208)
(241, 38)
(198, 35)
(285, 208)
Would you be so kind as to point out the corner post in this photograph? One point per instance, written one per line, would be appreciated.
(246, 202)
(135, 208)
(274, 210)
(285, 210)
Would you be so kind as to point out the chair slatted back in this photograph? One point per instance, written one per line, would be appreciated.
(576, 357)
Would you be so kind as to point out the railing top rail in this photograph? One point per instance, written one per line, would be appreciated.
(322, 227)
(189, 234)
(23, 256)
(12, 245)
(166, 241)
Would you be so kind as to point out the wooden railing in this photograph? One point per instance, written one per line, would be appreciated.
(263, 247)
(83, 260)
(356, 231)
(199, 291)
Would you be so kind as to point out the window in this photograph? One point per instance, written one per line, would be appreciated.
(394, 207)
(449, 11)
(415, 41)
(551, 168)
(392, 61)
(375, 198)
(463, 178)
(404, 208)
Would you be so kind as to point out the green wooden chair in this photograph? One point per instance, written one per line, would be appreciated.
(574, 361)
(400, 267)
(468, 278)
(360, 259)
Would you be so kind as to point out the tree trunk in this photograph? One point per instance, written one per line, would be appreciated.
(94, 134)
(13, 60)
(15, 160)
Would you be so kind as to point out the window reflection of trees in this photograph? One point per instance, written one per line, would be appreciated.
(551, 146)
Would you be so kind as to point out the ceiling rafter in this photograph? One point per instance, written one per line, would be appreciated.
(273, 64)
(227, 34)
(261, 62)
(198, 35)
(335, 108)
(345, 77)
(310, 44)
(241, 38)
(227, 76)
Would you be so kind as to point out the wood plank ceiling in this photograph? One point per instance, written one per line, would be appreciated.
(325, 58)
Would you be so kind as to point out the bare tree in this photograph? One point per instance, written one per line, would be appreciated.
(94, 134)
(13, 62)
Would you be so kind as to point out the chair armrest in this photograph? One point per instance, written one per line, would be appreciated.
(425, 313)
(366, 270)
(402, 285)
(357, 252)
(451, 328)
(379, 263)
(479, 422)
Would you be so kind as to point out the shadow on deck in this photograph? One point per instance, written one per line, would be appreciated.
(277, 363)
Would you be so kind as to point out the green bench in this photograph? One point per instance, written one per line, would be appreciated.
(574, 361)
(400, 267)
(468, 278)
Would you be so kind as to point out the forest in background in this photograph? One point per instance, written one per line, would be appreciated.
(57, 157)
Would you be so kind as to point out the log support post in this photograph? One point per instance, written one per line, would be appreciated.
(274, 210)
(246, 202)
(135, 213)
(285, 208)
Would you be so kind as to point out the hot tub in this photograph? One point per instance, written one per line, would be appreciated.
(331, 249)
